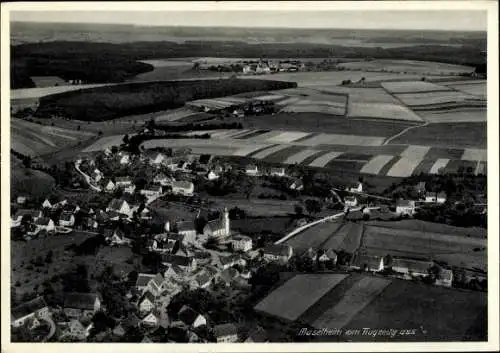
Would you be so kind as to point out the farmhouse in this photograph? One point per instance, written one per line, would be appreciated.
(129, 189)
(119, 206)
(150, 282)
(116, 237)
(411, 267)
(324, 256)
(219, 227)
(355, 188)
(124, 159)
(202, 280)
(81, 305)
(46, 204)
(151, 320)
(405, 207)
(191, 318)
(36, 308)
(155, 158)
(109, 185)
(251, 170)
(351, 201)
(278, 252)
(226, 333)
(187, 229)
(367, 262)
(71, 208)
(445, 278)
(297, 184)
(27, 215)
(123, 181)
(241, 243)
(277, 171)
(182, 187)
(67, 220)
(45, 223)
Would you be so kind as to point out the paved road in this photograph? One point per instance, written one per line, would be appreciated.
(52, 328)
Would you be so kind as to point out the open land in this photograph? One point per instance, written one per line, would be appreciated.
(410, 66)
(313, 237)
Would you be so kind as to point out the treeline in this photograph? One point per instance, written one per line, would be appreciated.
(197, 127)
(106, 62)
(109, 102)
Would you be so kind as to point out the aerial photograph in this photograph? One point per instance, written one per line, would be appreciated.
(248, 176)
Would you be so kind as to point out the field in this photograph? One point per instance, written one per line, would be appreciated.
(105, 142)
(434, 98)
(361, 95)
(29, 182)
(35, 139)
(355, 299)
(47, 81)
(31, 93)
(430, 227)
(408, 66)
(382, 111)
(454, 249)
(294, 297)
(438, 314)
(347, 238)
(447, 135)
(262, 225)
(476, 88)
(455, 115)
(313, 237)
(413, 87)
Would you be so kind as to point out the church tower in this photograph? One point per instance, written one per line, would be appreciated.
(227, 228)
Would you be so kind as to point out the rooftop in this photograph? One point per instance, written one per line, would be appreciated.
(28, 308)
(225, 330)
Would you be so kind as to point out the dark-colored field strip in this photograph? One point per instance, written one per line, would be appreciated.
(260, 150)
(349, 156)
(253, 134)
(441, 152)
(454, 166)
(389, 165)
(309, 159)
(329, 300)
(346, 166)
(312, 134)
(391, 150)
(424, 166)
(282, 155)
(240, 134)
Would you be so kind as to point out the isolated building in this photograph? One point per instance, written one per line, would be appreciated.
(405, 207)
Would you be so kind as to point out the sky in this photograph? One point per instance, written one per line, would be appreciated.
(459, 20)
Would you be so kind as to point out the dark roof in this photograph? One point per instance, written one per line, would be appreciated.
(203, 278)
(258, 335)
(185, 226)
(204, 158)
(143, 279)
(412, 265)
(229, 274)
(176, 260)
(123, 179)
(225, 330)
(84, 301)
(131, 321)
(28, 308)
(70, 207)
(147, 295)
(116, 204)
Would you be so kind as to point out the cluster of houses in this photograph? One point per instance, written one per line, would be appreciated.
(409, 207)
(256, 67)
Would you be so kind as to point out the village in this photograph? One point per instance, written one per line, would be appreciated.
(200, 253)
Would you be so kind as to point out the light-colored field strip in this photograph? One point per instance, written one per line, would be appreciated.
(415, 152)
(382, 111)
(24, 93)
(342, 140)
(299, 157)
(249, 149)
(62, 135)
(293, 298)
(475, 154)
(404, 167)
(265, 136)
(412, 86)
(20, 147)
(374, 165)
(327, 109)
(440, 163)
(35, 135)
(353, 301)
(224, 134)
(175, 114)
(269, 97)
(288, 136)
(102, 143)
(247, 133)
(268, 151)
(288, 101)
(239, 133)
(324, 159)
(233, 100)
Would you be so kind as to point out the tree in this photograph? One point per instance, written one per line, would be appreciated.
(313, 206)
(125, 139)
(299, 210)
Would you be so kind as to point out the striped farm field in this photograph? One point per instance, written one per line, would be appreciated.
(456, 165)
(457, 115)
(403, 168)
(361, 95)
(296, 295)
(251, 134)
(375, 165)
(424, 166)
(347, 238)
(413, 86)
(248, 150)
(351, 166)
(287, 101)
(431, 98)
(343, 140)
(351, 156)
(475, 154)
(441, 152)
(439, 165)
(268, 151)
(382, 111)
(415, 152)
(264, 136)
(477, 89)
(270, 97)
(354, 300)
(283, 154)
(301, 156)
(175, 114)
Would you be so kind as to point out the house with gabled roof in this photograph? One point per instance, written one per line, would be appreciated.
(151, 320)
(124, 159)
(191, 318)
(26, 214)
(241, 243)
(218, 228)
(186, 229)
(162, 179)
(35, 308)
(366, 262)
(116, 237)
(297, 185)
(405, 207)
(147, 302)
(153, 283)
(226, 333)
(119, 206)
(152, 191)
(445, 278)
(258, 335)
(46, 204)
(123, 181)
(46, 224)
(109, 185)
(278, 252)
(81, 305)
(435, 197)
(413, 267)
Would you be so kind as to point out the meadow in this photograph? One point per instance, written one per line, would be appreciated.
(313, 237)
(408, 66)
(433, 98)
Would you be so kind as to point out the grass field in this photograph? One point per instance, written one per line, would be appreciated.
(294, 297)
(455, 115)
(355, 299)
(29, 182)
(262, 225)
(313, 237)
(449, 135)
(413, 87)
(475, 88)
(431, 98)
(347, 238)
(361, 95)
(457, 250)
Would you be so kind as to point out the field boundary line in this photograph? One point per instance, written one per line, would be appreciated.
(389, 139)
